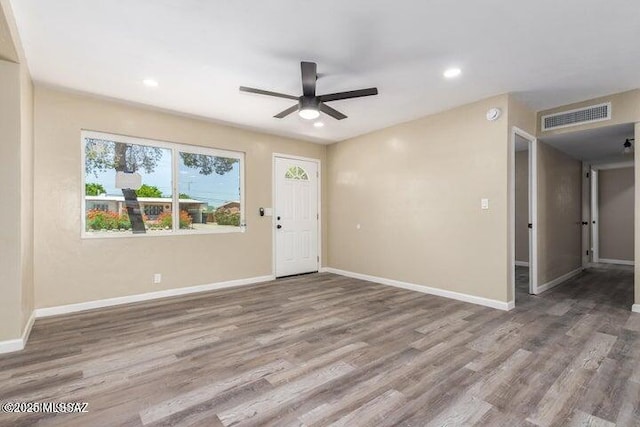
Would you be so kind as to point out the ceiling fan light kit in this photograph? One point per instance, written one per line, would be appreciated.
(309, 104)
(308, 108)
(309, 113)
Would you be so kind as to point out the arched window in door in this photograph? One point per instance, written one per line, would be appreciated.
(296, 172)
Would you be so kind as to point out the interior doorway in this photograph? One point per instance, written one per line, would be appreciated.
(612, 213)
(523, 214)
(604, 267)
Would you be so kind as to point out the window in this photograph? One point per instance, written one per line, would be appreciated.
(153, 211)
(296, 172)
(209, 188)
(97, 206)
(184, 189)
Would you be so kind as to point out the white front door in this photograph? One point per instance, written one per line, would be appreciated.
(296, 216)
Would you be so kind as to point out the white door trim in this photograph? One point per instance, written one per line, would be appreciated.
(595, 251)
(533, 209)
(273, 204)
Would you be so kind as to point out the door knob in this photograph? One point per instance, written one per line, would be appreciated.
(278, 226)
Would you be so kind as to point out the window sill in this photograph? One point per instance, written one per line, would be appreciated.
(91, 235)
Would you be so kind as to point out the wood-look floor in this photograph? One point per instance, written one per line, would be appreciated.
(328, 350)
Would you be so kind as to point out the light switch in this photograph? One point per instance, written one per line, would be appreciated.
(484, 203)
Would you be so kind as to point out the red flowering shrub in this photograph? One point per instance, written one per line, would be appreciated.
(185, 220)
(106, 220)
(165, 220)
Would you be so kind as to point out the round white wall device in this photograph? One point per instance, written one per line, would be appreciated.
(493, 114)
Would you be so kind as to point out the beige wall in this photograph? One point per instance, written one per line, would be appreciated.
(26, 194)
(10, 239)
(7, 46)
(559, 213)
(615, 213)
(522, 206)
(70, 269)
(521, 117)
(16, 171)
(415, 190)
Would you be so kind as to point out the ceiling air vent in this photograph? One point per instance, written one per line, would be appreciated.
(580, 116)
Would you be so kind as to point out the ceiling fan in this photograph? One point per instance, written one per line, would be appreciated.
(309, 104)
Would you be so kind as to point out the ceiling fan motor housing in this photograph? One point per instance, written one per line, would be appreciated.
(309, 103)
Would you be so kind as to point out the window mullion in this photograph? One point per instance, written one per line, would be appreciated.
(175, 195)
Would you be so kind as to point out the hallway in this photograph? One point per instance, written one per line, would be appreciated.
(603, 285)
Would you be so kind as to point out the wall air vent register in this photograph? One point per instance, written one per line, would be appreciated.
(579, 116)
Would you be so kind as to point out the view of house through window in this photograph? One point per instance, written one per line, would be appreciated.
(208, 183)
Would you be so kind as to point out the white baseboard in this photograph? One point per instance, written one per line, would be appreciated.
(522, 263)
(558, 280)
(9, 346)
(323, 270)
(28, 326)
(616, 261)
(636, 308)
(500, 305)
(18, 344)
(109, 302)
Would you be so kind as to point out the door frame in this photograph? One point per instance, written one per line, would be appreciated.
(274, 156)
(533, 211)
(595, 219)
(587, 210)
(595, 210)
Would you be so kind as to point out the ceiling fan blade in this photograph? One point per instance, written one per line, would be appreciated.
(331, 111)
(309, 77)
(350, 94)
(266, 92)
(285, 113)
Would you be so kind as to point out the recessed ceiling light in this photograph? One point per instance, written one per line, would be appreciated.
(452, 72)
(318, 124)
(150, 83)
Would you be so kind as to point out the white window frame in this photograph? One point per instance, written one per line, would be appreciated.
(175, 149)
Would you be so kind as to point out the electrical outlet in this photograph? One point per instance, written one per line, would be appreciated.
(157, 278)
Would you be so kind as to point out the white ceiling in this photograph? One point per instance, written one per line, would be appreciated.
(549, 52)
(600, 145)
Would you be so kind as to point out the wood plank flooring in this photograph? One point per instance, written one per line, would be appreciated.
(323, 350)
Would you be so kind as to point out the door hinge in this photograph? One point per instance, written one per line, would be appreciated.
(531, 225)
(318, 257)
(587, 174)
(317, 216)
(587, 252)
